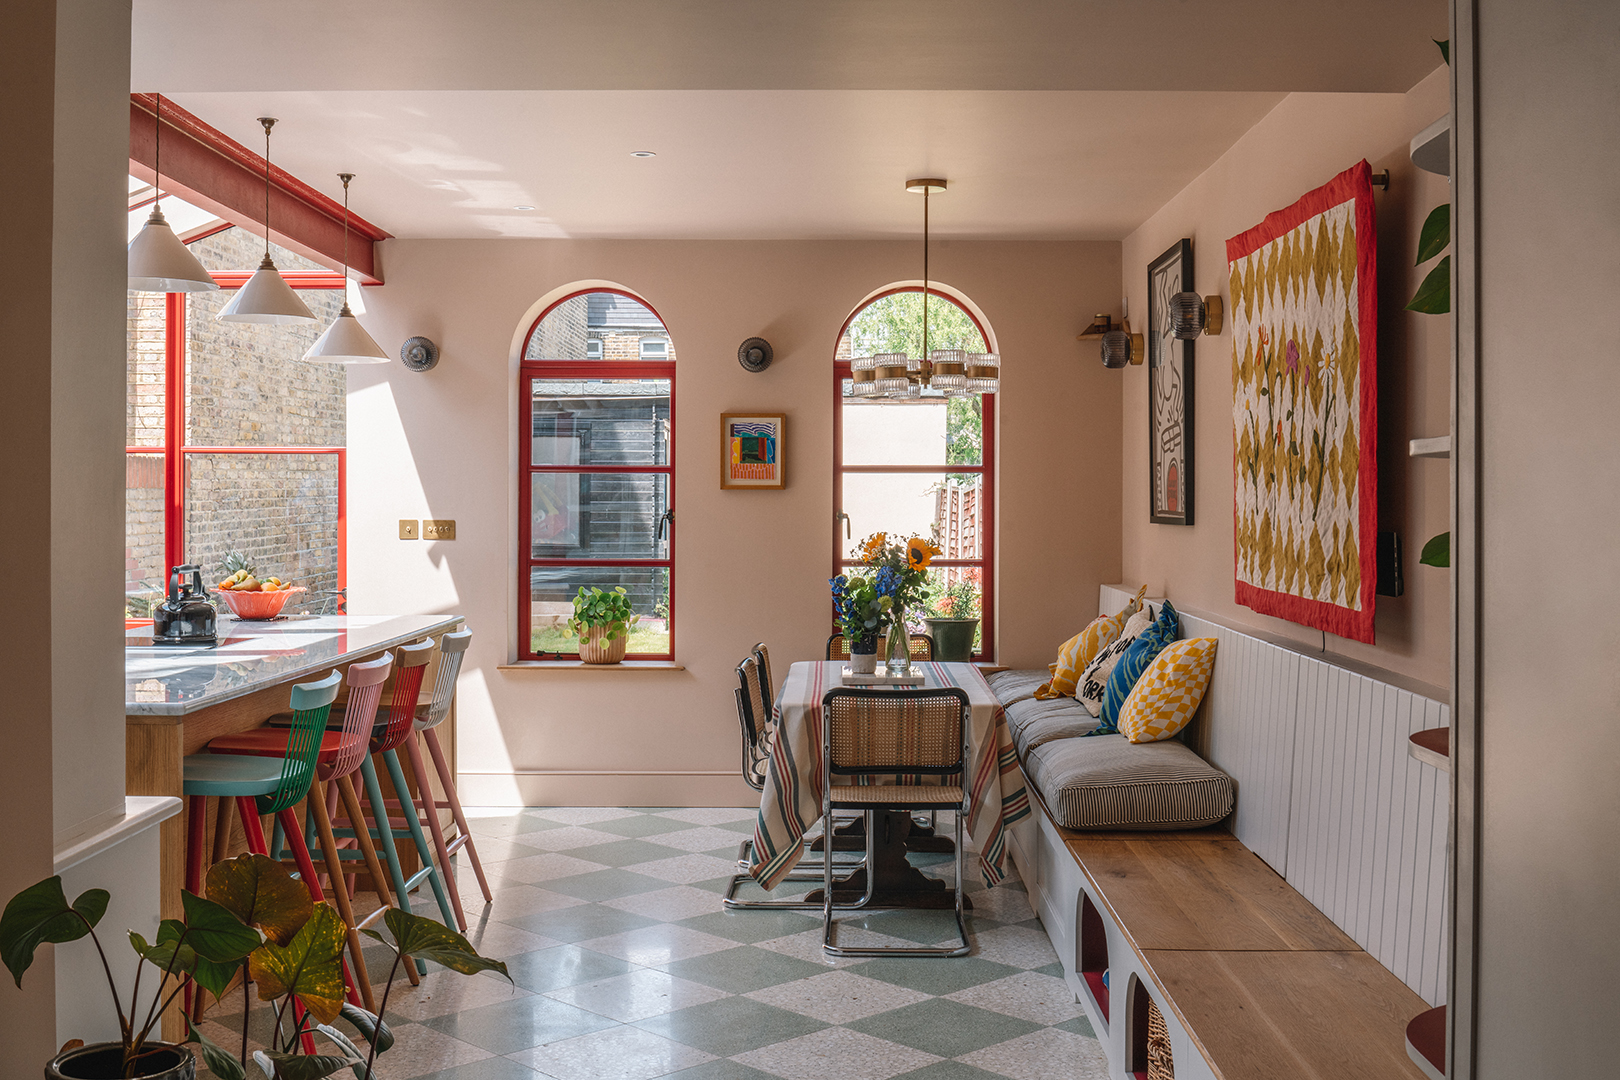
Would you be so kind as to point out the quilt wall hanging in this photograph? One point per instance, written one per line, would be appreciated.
(1304, 299)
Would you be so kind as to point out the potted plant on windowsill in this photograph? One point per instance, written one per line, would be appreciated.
(257, 921)
(602, 620)
(953, 620)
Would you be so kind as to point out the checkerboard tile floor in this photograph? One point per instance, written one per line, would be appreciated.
(627, 967)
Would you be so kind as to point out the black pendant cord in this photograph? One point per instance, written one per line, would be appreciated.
(157, 157)
(925, 275)
(345, 177)
(268, 123)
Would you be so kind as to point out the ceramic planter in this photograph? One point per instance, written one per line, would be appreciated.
(863, 663)
(953, 638)
(594, 649)
(105, 1061)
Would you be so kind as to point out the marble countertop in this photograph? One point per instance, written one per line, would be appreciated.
(173, 680)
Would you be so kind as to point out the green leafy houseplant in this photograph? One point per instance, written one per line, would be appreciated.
(601, 619)
(256, 920)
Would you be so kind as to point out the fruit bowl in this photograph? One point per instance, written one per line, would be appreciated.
(257, 604)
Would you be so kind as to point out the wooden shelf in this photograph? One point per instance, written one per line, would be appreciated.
(1432, 746)
(1426, 1042)
(1439, 447)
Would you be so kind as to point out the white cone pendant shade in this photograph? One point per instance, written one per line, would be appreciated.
(160, 262)
(346, 342)
(266, 298)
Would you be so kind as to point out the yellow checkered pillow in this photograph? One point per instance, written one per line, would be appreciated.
(1077, 654)
(1079, 651)
(1168, 693)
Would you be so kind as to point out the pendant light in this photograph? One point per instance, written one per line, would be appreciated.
(158, 260)
(266, 298)
(953, 372)
(346, 341)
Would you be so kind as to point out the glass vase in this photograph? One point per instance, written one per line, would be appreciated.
(898, 660)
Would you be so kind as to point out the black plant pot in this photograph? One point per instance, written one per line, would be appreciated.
(105, 1061)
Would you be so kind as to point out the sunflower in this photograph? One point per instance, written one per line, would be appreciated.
(919, 553)
(873, 549)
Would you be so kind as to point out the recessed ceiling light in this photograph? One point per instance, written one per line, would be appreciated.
(523, 208)
(642, 153)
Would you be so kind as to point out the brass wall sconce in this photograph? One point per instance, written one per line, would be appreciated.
(1191, 315)
(1119, 345)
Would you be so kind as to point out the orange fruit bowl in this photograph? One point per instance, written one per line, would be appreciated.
(258, 604)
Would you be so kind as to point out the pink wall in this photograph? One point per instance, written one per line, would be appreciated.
(750, 565)
(1305, 141)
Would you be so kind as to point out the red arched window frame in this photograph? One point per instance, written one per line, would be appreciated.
(565, 369)
(986, 469)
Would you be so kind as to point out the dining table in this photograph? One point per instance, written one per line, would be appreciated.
(791, 801)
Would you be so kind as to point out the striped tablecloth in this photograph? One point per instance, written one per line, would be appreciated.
(791, 801)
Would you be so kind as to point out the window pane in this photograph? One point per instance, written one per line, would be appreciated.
(600, 422)
(598, 515)
(279, 510)
(143, 399)
(908, 504)
(246, 384)
(551, 604)
(930, 430)
(893, 323)
(600, 326)
(145, 576)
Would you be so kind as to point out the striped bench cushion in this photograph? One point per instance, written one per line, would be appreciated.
(1035, 722)
(1108, 782)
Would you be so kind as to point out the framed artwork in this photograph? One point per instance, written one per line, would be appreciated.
(751, 450)
(1170, 393)
(1304, 289)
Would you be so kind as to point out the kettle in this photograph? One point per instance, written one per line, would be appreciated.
(185, 617)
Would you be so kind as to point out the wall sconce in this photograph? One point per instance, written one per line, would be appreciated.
(419, 354)
(754, 354)
(1191, 315)
(1119, 345)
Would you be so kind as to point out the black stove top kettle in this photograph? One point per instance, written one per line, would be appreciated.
(185, 617)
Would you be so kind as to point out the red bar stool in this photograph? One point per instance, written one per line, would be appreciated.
(339, 757)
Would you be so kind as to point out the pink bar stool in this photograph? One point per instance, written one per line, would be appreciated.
(429, 715)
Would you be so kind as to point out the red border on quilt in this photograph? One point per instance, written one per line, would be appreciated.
(1354, 183)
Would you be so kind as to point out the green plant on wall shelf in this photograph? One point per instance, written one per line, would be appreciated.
(1433, 297)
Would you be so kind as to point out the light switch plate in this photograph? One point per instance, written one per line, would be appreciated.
(408, 529)
(438, 528)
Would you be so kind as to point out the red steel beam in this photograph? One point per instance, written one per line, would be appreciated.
(218, 174)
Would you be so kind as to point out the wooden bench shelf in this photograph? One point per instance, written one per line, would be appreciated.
(1432, 746)
(1426, 1042)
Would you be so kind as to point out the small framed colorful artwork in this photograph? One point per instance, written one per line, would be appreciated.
(751, 451)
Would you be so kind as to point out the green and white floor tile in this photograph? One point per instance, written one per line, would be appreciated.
(627, 967)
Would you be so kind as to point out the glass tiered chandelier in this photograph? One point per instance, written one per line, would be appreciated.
(952, 372)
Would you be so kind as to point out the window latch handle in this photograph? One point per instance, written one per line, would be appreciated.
(666, 516)
(845, 518)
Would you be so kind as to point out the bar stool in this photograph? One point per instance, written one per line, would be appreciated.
(264, 785)
(385, 741)
(429, 715)
(339, 756)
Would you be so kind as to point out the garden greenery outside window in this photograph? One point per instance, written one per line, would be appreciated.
(597, 483)
(923, 466)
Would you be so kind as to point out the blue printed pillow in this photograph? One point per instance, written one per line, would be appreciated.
(1122, 680)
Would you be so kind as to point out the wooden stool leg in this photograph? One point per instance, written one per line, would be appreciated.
(222, 830)
(446, 871)
(448, 780)
(340, 893)
(306, 870)
(362, 836)
(196, 841)
(413, 824)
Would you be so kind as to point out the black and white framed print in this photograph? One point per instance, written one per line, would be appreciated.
(1170, 393)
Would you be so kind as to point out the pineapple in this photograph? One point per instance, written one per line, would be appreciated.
(237, 570)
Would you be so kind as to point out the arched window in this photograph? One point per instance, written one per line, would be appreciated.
(923, 466)
(597, 485)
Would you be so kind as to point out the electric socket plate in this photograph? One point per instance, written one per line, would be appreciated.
(408, 529)
(438, 528)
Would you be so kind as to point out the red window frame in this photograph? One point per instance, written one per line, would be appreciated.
(986, 469)
(550, 369)
(175, 449)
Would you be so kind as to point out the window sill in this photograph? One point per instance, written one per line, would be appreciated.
(580, 665)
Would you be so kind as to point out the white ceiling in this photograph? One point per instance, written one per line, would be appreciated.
(770, 118)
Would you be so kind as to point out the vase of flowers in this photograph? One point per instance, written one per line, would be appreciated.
(953, 619)
(893, 577)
